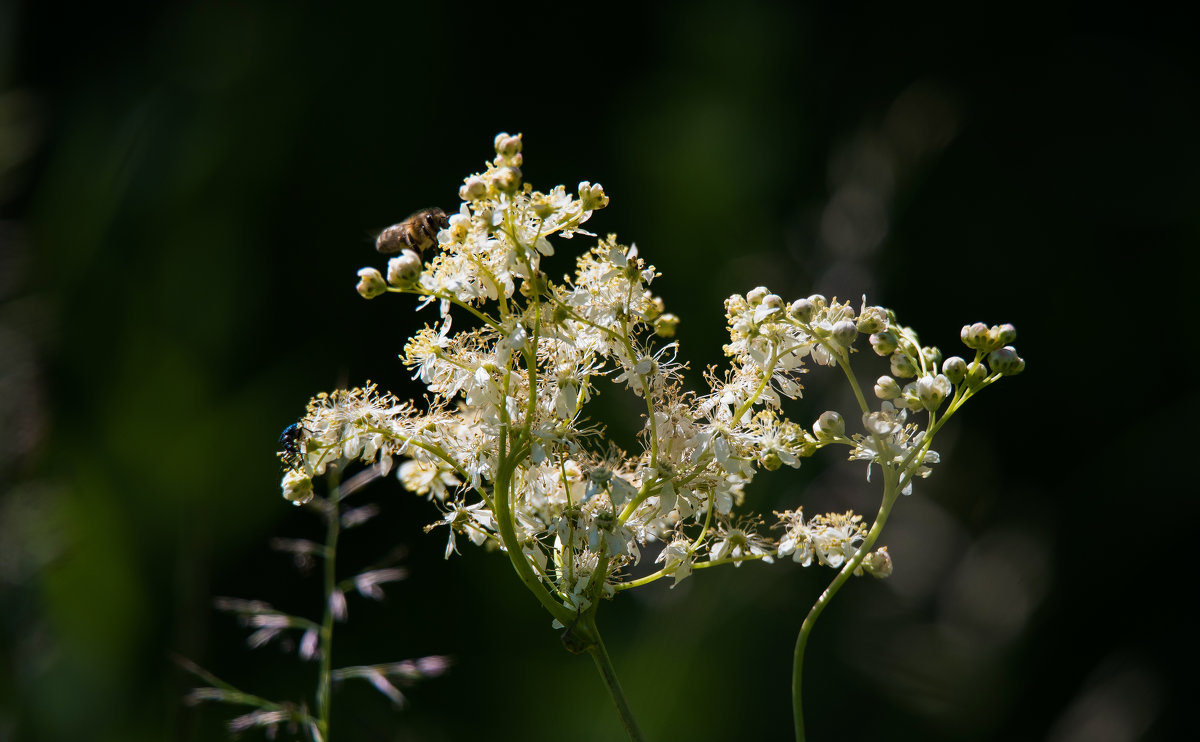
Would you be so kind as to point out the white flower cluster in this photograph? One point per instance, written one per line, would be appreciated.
(503, 448)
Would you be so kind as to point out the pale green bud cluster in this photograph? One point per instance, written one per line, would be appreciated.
(995, 343)
(981, 337)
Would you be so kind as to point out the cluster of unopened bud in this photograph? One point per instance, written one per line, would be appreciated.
(508, 149)
(505, 177)
(928, 392)
(402, 272)
(931, 388)
(981, 337)
(816, 309)
(996, 341)
(762, 296)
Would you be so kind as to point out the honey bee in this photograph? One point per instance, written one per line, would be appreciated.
(417, 232)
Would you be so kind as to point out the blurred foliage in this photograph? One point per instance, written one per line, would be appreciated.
(187, 189)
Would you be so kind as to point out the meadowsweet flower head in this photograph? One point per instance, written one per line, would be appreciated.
(513, 359)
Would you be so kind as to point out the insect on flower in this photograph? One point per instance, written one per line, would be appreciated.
(417, 232)
(289, 442)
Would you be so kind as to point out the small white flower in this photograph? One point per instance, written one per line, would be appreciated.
(424, 478)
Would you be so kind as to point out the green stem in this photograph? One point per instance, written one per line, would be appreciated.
(607, 673)
(325, 679)
(508, 536)
(891, 492)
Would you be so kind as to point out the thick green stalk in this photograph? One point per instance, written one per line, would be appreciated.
(891, 492)
(508, 536)
(607, 673)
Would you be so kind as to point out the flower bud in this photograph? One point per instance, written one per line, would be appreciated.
(665, 324)
(878, 563)
(297, 487)
(992, 341)
(818, 301)
(591, 196)
(542, 206)
(887, 388)
(370, 283)
(1007, 334)
(404, 269)
(884, 343)
(872, 320)
(933, 390)
(903, 366)
(772, 301)
(1006, 361)
(932, 357)
(507, 179)
(507, 146)
(955, 369)
(829, 425)
(974, 336)
(976, 373)
(473, 189)
(755, 295)
(770, 460)
(656, 306)
(801, 310)
(844, 332)
(908, 398)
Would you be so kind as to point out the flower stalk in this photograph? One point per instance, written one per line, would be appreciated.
(329, 574)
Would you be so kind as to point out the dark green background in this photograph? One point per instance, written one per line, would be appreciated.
(188, 189)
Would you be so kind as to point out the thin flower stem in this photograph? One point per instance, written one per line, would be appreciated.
(655, 576)
(890, 493)
(762, 385)
(325, 679)
(609, 674)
